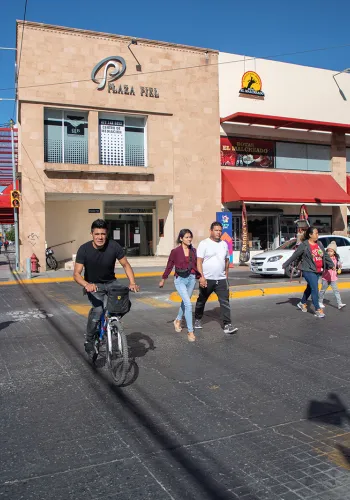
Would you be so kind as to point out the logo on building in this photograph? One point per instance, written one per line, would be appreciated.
(251, 84)
(116, 62)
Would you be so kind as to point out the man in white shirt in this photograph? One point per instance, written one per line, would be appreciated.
(213, 263)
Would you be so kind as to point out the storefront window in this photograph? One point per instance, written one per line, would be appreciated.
(122, 140)
(298, 156)
(289, 230)
(348, 160)
(65, 136)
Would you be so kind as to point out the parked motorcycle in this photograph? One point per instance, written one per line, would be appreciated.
(50, 259)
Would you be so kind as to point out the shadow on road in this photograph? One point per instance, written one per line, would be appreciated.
(146, 427)
(333, 412)
(5, 324)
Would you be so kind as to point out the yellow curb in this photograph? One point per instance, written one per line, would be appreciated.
(256, 292)
(34, 281)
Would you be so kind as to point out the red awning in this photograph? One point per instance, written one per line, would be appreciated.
(272, 187)
(281, 121)
(348, 183)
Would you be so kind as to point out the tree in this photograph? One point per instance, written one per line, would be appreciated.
(10, 235)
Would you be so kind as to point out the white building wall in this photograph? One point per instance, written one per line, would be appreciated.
(290, 90)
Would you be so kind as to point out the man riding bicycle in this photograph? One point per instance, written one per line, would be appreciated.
(98, 258)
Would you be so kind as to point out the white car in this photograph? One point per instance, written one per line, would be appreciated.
(271, 261)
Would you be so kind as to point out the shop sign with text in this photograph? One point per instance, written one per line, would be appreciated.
(251, 85)
(237, 152)
(111, 69)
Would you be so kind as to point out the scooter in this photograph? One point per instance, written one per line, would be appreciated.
(50, 259)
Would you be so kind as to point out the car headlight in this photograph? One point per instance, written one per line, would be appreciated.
(274, 259)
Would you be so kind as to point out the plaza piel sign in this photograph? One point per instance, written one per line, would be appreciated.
(114, 68)
(238, 152)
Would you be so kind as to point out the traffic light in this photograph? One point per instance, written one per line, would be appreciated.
(15, 198)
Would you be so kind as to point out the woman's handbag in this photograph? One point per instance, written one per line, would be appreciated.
(184, 273)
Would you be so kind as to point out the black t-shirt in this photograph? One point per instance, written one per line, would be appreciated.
(99, 264)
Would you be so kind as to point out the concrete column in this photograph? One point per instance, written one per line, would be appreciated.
(32, 212)
(93, 138)
(338, 153)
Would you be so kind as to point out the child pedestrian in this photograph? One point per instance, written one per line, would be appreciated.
(329, 276)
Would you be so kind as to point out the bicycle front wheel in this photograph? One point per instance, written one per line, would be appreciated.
(118, 357)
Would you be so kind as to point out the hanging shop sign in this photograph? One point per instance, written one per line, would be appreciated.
(237, 152)
(112, 68)
(251, 84)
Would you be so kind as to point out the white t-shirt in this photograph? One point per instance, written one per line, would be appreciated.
(214, 255)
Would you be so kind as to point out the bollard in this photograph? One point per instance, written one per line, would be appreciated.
(28, 268)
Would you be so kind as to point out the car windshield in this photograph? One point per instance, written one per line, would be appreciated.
(288, 245)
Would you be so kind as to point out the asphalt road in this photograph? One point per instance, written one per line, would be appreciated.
(262, 414)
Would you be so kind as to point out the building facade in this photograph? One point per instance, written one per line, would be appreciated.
(284, 143)
(117, 128)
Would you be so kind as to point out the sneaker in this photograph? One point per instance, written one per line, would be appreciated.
(302, 307)
(322, 306)
(340, 306)
(229, 329)
(198, 324)
(319, 313)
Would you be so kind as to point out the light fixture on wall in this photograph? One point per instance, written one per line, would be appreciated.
(138, 65)
(347, 70)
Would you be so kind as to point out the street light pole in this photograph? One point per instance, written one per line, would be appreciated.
(15, 209)
(347, 70)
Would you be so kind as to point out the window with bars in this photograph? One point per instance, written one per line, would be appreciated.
(122, 140)
(65, 136)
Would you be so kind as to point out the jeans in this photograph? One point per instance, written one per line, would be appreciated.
(220, 287)
(184, 287)
(334, 286)
(96, 300)
(311, 289)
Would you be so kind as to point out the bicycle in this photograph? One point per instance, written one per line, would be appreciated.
(116, 303)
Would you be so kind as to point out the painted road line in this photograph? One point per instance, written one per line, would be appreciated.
(82, 309)
(41, 281)
(154, 302)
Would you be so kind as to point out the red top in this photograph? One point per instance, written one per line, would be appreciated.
(317, 255)
(187, 260)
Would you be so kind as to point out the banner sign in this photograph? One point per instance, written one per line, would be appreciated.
(244, 254)
(236, 152)
(226, 220)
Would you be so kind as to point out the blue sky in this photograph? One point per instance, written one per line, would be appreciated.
(253, 28)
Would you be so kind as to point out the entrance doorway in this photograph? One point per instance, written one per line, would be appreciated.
(133, 232)
(263, 231)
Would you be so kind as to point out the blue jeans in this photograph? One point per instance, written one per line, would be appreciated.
(185, 287)
(311, 289)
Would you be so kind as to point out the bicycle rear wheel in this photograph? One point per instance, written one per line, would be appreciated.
(117, 358)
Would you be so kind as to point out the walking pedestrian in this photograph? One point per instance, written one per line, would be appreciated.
(330, 278)
(6, 244)
(0, 245)
(314, 260)
(213, 264)
(184, 258)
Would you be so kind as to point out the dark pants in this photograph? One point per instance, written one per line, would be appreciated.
(220, 287)
(311, 289)
(96, 300)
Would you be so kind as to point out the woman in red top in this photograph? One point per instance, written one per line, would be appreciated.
(314, 260)
(184, 258)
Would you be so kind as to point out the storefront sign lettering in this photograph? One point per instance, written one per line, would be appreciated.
(236, 152)
(119, 66)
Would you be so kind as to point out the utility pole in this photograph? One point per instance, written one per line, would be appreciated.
(15, 209)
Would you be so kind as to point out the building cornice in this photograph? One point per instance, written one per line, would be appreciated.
(108, 36)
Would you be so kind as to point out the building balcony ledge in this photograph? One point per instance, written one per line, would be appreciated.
(97, 169)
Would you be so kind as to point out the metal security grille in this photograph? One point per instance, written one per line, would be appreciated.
(6, 155)
(112, 140)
